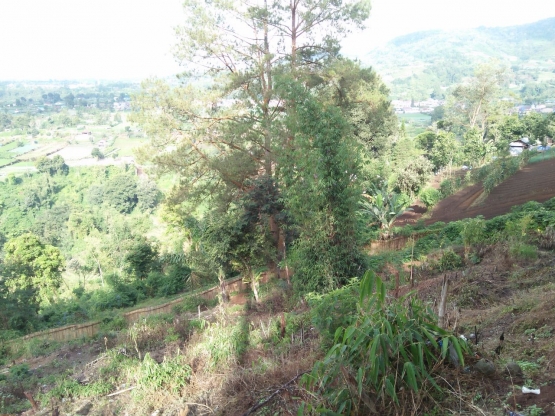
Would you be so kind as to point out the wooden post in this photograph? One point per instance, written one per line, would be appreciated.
(412, 241)
(443, 302)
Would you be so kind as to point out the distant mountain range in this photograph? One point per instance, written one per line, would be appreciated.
(424, 64)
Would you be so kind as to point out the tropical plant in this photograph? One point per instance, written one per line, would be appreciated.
(472, 233)
(385, 360)
(383, 208)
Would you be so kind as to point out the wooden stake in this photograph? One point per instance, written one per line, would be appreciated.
(443, 302)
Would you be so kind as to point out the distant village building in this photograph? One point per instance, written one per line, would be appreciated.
(518, 146)
(83, 136)
(123, 106)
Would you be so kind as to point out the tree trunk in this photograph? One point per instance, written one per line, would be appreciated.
(34, 404)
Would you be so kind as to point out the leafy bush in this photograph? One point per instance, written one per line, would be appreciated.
(67, 387)
(496, 172)
(175, 280)
(114, 323)
(472, 233)
(449, 261)
(388, 355)
(333, 310)
(120, 297)
(523, 251)
(447, 188)
(430, 196)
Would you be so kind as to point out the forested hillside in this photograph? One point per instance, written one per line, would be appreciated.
(424, 64)
(274, 158)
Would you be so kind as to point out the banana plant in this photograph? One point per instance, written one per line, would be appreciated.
(383, 208)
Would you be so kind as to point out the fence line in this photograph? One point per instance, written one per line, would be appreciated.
(90, 329)
(396, 243)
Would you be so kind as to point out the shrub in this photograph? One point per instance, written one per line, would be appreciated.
(430, 196)
(472, 233)
(446, 188)
(119, 297)
(449, 261)
(191, 304)
(333, 310)
(114, 323)
(523, 251)
(170, 375)
(388, 355)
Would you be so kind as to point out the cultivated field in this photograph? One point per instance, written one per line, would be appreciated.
(534, 182)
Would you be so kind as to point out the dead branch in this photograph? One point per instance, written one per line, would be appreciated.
(121, 391)
(274, 394)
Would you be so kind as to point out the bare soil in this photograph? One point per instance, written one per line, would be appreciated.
(534, 182)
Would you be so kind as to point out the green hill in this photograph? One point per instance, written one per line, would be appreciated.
(423, 64)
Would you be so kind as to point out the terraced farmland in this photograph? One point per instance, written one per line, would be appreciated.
(534, 182)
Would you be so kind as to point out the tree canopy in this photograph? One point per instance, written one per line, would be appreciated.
(243, 124)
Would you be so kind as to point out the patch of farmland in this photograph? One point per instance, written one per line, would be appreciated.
(76, 152)
(534, 182)
(42, 150)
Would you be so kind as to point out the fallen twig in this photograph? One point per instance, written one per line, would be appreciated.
(274, 394)
(121, 391)
(95, 360)
(200, 404)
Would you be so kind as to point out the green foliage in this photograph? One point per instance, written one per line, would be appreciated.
(472, 233)
(523, 251)
(333, 310)
(148, 195)
(166, 284)
(192, 303)
(442, 149)
(29, 264)
(67, 387)
(383, 208)
(534, 410)
(12, 386)
(171, 374)
(429, 196)
(141, 258)
(497, 171)
(449, 261)
(363, 98)
(121, 193)
(322, 196)
(224, 345)
(412, 175)
(54, 166)
(96, 153)
(475, 150)
(388, 355)
(446, 188)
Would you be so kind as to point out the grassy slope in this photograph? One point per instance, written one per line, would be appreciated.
(239, 355)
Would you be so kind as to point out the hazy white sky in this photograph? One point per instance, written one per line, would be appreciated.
(70, 39)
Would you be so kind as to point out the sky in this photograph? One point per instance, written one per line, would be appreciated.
(132, 39)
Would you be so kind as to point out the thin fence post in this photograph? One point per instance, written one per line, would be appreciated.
(443, 302)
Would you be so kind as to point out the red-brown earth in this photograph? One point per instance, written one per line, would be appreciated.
(534, 182)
